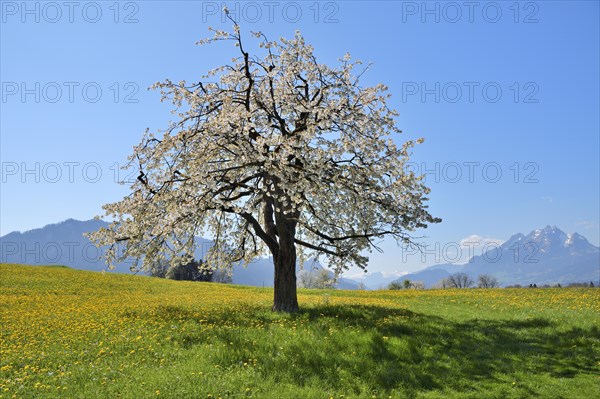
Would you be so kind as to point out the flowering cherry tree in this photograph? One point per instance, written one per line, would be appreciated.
(279, 155)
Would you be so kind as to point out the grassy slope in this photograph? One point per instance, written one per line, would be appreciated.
(77, 334)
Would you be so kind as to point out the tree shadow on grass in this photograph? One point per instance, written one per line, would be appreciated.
(383, 349)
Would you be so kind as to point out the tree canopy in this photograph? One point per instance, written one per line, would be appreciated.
(271, 154)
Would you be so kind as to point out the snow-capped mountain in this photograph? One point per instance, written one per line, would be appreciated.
(544, 256)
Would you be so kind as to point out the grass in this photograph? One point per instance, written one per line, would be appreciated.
(76, 334)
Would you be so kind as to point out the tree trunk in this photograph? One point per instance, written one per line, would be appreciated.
(285, 297)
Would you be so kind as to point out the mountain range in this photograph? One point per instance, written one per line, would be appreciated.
(64, 244)
(544, 256)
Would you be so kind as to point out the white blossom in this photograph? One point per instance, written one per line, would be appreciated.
(273, 137)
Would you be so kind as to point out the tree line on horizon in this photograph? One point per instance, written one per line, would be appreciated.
(463, 280)
(322, 279)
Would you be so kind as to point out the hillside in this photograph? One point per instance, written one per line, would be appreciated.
(77, 334)
(64, 244)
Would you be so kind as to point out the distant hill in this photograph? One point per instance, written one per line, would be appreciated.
(260, 273)
(544, 256)
(60, 243)
(428, 276)
(376, 280)
(64, 244)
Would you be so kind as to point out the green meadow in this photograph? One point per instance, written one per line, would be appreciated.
(75, 334)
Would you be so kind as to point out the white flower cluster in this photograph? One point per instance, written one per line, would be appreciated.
(280, 142)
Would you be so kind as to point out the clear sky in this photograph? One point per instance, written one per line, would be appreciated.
(506, 95)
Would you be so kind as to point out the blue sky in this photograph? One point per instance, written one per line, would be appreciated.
(506, 96)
